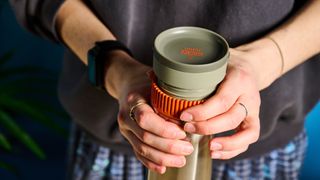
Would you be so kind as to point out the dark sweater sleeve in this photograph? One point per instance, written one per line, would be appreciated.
(38, 16)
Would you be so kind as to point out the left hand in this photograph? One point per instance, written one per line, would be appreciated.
(235, 105)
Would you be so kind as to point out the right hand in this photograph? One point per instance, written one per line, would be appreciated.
(156, 142)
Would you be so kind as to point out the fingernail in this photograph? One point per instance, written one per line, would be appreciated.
(189, 128)
(216, 155)
(180, 134)
(179, 162)
(162, 169)
(186, 116)
(215, 146)
(187, 149)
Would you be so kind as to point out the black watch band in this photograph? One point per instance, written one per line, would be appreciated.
(97, 60)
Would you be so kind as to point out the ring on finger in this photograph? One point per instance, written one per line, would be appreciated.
(245, 108)
(131, 112)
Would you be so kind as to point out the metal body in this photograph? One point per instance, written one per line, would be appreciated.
(198, 166)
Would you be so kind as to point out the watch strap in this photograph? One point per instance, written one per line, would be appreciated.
(109, 45)
(97, 59)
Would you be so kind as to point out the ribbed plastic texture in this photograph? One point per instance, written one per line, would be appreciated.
(168, 106)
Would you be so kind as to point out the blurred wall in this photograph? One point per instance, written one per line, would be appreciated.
(33, 50)
(311, 168)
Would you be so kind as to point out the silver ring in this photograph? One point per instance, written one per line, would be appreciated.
(131, 112)
(245, 108)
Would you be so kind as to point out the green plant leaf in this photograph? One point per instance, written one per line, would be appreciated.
(21, 135)
(31, 111)
(38, 85)
(30, 81)
(6, 56)
(4, 143)
(59, 112)
(10, 168)
(25, 89)
(18, 71)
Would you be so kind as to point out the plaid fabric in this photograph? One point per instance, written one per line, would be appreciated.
(95, 162)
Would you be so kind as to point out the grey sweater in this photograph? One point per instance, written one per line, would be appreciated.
(136, 23)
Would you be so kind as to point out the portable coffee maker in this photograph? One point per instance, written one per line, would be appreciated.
(188, 64)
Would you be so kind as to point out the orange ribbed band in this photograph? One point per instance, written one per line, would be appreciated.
(167, 106)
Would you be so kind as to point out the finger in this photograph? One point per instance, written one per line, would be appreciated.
(221, 102)
(172, 146)
(227, 154)
(150, 165)
(221, 123)
(148, 120)
(240, 139)
(154, 155)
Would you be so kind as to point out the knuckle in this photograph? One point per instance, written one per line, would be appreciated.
(150, 165)
(122, 132)
(142, 118)
(130, 97)
(142, 150)
(200, 113)
(171, 147)
(147, 163)
(163, 132)
(225, 156)
(154, 168)
(120, 120)
(257, 98)
(223, 102)
(230, 144)
(206, 130)
(255, 137)
(243, 76)
(255, 130)
(145, 136)
(231, 156)
(138, 156)
(245, 149)
(233, 122)
(162, 161)
(120, 117)
(166, 132)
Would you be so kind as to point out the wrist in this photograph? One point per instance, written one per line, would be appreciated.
(121, 72)
(264, 59)
(116, 72)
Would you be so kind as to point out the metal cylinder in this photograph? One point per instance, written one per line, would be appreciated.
(189, 63)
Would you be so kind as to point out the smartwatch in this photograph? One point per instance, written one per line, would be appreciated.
(97, 59)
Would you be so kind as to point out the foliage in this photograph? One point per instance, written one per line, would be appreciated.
(24, 92)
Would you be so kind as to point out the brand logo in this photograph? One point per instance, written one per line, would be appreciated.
(192, 52)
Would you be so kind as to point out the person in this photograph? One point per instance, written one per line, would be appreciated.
(273, 72)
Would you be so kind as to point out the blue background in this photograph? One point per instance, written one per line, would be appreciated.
(33, 50)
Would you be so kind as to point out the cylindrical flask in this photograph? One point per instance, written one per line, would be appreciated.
(188, 64)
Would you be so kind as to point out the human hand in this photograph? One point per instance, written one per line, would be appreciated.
(235, 106)
(156, 142)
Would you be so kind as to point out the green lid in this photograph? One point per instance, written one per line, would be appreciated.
(189, 62)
